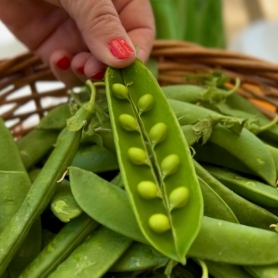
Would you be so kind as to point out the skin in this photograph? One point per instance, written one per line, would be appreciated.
(81, 31)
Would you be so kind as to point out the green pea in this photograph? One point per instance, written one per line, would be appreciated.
(145, 103)
(179, 197)
(169, 164)
(120, 91)
(137, 156)
(159, 223)
(128, 122)
(158, 133)
(147, 189)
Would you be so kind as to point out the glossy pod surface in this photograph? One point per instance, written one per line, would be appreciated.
(166, 162)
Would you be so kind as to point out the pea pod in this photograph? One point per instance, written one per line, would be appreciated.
(246, 147)
(60, 247)
(253, 214)
(112, 208)
(95, 256)
(167, 163)
(14, 185)
(250, 189)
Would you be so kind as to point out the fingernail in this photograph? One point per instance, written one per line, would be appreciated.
(120, 49)
(99, 75)
(80, 70)
(63, 63)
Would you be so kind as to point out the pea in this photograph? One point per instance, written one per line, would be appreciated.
(158, 133)
(137, 156)
(145, 103)
(169, 164)
(159, 223)
(128, 122)
(120, 91)
(179, 197)
(147, 189)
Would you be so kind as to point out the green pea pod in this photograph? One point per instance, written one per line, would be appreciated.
(139, 257)
(14, 185)
(222, 270)
(270, 271)
(252, 215)
(95, 158)
(162, 159)
(112, 208)
(36, 145)
(214, 205)
(63, 204)
(246, 147)
(37, 197)
(250, 189)
(60, 247)
(95, 256)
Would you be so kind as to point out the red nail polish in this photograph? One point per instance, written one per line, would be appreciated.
(120, 48)
(80, 70)
(63, 63)
(99, 75)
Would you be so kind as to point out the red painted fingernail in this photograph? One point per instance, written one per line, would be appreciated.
(120, 49)
(80, 70)
(63, 63)
(99, 75)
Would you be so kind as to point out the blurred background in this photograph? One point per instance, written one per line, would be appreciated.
(247, 26)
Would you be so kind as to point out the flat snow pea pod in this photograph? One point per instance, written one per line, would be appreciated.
(139, 257)
(269, 271)
(250, 189)
(222, 270)
(38, 196)
(95, 158)
(168, 163)
(14, 185)
(95, 256)
(63, 204)
(217, 240)
(60, 247)
(91, 192)
(247, 147)
(214, 205)
(251, 215)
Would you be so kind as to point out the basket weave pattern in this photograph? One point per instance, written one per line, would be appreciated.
(259, 79)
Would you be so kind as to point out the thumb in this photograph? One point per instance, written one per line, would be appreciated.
(102, 30)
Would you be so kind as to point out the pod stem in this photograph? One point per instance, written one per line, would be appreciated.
(202, 264)
(268, 126)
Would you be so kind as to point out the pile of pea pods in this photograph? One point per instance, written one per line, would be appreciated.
(131, 179)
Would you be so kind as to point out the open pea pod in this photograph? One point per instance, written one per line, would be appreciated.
(155, 161)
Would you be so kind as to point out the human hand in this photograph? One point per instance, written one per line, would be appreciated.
(79, 38)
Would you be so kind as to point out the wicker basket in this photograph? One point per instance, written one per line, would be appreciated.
(22, 79)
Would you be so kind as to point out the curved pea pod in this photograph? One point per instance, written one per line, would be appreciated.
(250, 189)
(111, 206)
(95, 158)
(95, 256)
(14, 185)
(246, 147)
(63, 204)
(60, 247)
(167, 162)
(139, 257)
(252, 215)
(214, 205)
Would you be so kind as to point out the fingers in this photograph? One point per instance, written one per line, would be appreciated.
(104, 33)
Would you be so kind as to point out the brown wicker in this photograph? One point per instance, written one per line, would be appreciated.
(176, 59)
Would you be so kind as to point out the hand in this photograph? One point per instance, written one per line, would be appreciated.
(79, 38)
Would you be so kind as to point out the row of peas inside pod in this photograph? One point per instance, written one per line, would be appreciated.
(175, 181)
